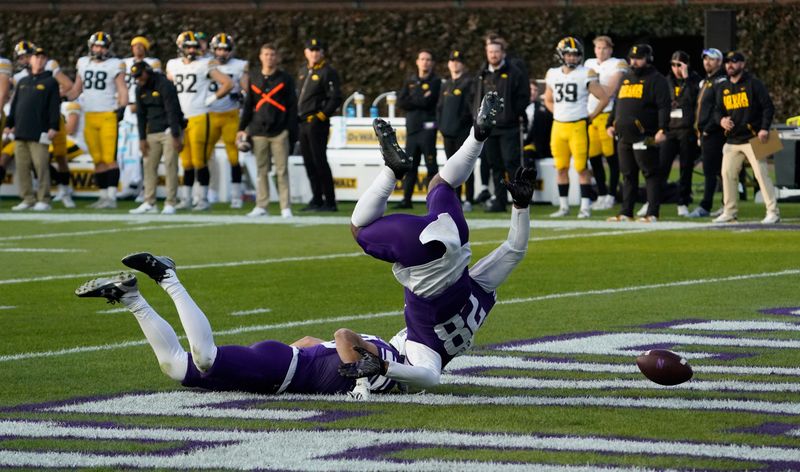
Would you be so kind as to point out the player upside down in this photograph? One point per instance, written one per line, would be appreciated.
(308, 365)
(445, 302)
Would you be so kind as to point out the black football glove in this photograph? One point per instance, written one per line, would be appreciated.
(491, 106)
(120, 113)
(369, 365)
(521, 186)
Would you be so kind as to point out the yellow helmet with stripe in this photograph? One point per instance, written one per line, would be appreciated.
(101, 39)
(187, 39)
(23, 48)
(222, 41)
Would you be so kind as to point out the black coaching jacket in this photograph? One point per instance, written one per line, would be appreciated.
(748, 104)
(642, 105)
(157, 107)
(320, 91)
(270, 106)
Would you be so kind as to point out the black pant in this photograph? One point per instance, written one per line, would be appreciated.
(630, 161)
(711, 146)
(503, 153)
(314, 147)
(683, 142)
(451, 145)
(418, 145)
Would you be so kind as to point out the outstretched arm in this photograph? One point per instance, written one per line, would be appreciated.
(494, 269)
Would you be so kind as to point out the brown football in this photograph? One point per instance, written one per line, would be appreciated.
(664, 367)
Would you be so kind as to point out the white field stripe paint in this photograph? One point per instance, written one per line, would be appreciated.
(723, 325)
(194, 405)
(30, 355)
(636, 288)
(242, 329)
(531, 383)
(267, 449)
(254, 311)
(507, 362)
(90, 275)
(103, 231)
(7, 307)
(33, 249)
(112, 310)
(536, 239)
(755, 406)
(626, 344)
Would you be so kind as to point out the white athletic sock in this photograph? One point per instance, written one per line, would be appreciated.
(457, 169)
(112, 192)
(184, 192)
(586, 203)
(194, 321)
(203, 192)
(162, 338)
(372, 203)
(563, 202)
(236, 191)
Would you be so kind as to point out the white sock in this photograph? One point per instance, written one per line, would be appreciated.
(112, 192)
(236, 191)
(372, 203)
(63, 189)
(183, 193)
(202, 194)
(563, 202)
(457, 169)
(585, 203)
(162, 338)
(194, 321)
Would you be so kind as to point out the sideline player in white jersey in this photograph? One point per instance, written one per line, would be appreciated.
(225, 111)
(6, 69)
(101, 84)
(128, 131)
(23, 51)
(610, 71)
(566, 96)
(192, 76)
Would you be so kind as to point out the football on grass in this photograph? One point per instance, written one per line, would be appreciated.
(664, 367)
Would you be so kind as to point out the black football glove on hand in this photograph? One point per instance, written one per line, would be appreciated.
(369, 365)
(491, 106)
(120, 113)
(521, 187)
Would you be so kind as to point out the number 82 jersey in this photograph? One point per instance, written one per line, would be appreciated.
(192, 81)
(570, 92)
(99, 88)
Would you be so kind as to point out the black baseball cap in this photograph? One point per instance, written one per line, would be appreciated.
(456, 55)
(680, 56)
(735, 56)
(139, 67)
(314, 43)
(38, 51)
(640, 51)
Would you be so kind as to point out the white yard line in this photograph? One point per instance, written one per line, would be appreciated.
(254, 311)
(127, 229)
(35, 249)
(681, 283)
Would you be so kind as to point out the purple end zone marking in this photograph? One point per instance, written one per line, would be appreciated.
(769, 429)
(787, 311)
(670, 324)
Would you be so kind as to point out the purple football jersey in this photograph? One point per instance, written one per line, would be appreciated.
(448, 322)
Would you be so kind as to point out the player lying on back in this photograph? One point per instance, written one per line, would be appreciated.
(445, 302)
(308, 365)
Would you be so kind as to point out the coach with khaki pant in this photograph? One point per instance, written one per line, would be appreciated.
(269, 117)
(160, 121)
(34, 119)
(744, 111)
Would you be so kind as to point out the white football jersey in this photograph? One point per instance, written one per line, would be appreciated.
(130, 80)
(99, 88)
(570, 92)
(605, 72)
(192, 81)
(6, 67)
(235, 69)
(74, 108)
(51, 65)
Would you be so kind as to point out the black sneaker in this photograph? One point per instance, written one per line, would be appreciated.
(483, 197)
(328, 208)
(393, 155)
(110, 288)
(311, 207)
(491, 106)
(154, 266)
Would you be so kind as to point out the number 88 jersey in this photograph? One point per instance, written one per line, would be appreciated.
(570, 92)
(99, 88)
(192, 81)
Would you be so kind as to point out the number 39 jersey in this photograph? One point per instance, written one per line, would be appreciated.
(99, 88)
(570, 92)
(192, 81)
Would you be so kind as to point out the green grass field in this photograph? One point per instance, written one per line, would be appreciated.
(550, 385)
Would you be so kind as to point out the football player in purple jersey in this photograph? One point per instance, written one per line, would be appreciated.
(445, 301)
(308, 365)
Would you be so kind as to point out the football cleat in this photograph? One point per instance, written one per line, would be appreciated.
(584, 213)
(394, 156)
(155, 267)
(560, 213)
(110, 288)
(491, 106)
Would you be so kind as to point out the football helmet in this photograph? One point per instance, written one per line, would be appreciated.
(102, 39)
(23, 48)
(222, 41)
(569, 45)
(185, 40)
